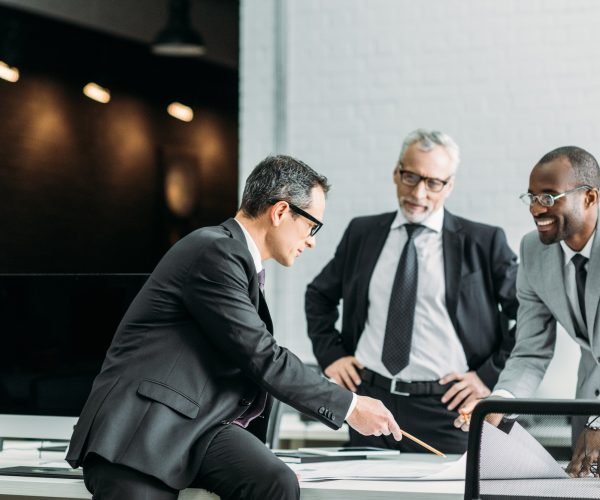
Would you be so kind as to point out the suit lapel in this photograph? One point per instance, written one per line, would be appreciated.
(369, 257)
(453, 242)
(591, 288)
(263, 311)
(552, 273)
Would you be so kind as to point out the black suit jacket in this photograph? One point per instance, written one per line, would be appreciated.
(190, 355)
(480, 271)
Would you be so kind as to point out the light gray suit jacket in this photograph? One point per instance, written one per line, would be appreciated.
(543, 302)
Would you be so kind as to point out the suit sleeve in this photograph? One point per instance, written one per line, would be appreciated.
(322, 299)
(504, 267)
(216, 294)
(535, 339)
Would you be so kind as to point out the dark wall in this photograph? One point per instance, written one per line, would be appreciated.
(82, 184)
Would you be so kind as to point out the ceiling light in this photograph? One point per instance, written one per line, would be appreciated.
(8, 73)
(96, 92)
(180, 111)
(178, 38)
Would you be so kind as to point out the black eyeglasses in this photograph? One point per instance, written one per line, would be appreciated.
(317, 223)
(547, 199)
(411, 179)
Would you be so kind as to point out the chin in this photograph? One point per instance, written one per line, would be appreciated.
(415, 217)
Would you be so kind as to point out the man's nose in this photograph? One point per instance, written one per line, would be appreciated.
(536, 209)
(311, 242)
(420, 191)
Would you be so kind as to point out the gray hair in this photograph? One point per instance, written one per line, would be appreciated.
(584, 165)
(426, 140)
(280, 178)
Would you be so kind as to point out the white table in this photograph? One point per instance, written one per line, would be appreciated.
(15, 488)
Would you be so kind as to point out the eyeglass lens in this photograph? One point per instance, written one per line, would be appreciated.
(412, 179)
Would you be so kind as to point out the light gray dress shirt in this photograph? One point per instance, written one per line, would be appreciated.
(436, 349)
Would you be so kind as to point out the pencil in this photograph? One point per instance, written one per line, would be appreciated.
(424, 445)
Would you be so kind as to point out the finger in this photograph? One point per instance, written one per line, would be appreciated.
(386, 431)
(450, 393)
(459, 421)
(450, 377)
(394, 429)
(353, 374)
(465, 427)
(347, 381)
(357, 363)
(470, 399)
(378, 433)
(459, 398)
(586, 465)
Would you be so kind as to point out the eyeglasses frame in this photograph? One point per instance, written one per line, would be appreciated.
(422, 178)
(533, 198)
(318, 224)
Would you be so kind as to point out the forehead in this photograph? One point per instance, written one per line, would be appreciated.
(556, 175)
(433, 163)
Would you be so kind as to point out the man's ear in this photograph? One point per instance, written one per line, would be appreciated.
(591, 197)
(277, 212)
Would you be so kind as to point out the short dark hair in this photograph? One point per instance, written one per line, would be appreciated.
(584, 165)
(277, 178)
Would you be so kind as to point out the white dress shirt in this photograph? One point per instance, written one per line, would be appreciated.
(569, 276)
(436, 349)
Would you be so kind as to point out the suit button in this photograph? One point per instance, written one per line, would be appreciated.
(597, 392)
(321, 410)
(245, 402)
(225, 422)
(333, 418)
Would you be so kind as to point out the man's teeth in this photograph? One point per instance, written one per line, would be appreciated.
(544, 222)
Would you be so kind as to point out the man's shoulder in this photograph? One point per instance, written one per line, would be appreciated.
(470, 226)
(531, 244)
(365, 222)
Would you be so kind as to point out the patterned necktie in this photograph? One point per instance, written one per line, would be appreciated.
(261, 280)
(579, 261)
(401, 312)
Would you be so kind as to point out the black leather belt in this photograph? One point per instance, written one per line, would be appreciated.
(403, 387)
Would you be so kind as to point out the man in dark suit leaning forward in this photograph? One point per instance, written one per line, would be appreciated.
(421, 290)
(194, 362)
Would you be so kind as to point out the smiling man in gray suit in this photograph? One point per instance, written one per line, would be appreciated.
(559, 282)
(193, 364)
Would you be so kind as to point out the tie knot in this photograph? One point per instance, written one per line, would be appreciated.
(579, 261)
(261, 279)
(413, 230)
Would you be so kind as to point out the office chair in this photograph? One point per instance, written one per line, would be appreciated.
(540, 438)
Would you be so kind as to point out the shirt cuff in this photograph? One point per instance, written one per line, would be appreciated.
(503, 393)
(352, 405)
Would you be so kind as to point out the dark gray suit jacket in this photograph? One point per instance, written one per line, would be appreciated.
(480, 272)
(191, 354)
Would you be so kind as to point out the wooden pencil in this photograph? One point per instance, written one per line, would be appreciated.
(423, 444)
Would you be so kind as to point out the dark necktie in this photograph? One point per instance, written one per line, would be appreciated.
(261, 280)
(579, 261)
(401, 312)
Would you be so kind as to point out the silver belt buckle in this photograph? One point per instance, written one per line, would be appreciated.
(393, 388)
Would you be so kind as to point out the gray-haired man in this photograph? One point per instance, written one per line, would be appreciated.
(421, 290)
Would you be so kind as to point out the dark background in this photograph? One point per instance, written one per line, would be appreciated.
(82, 183)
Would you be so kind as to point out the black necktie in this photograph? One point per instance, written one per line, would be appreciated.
(261, 280)
(579, 261)
(401, 313)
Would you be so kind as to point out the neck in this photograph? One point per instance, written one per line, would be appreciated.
(258, 231)
(579, 240)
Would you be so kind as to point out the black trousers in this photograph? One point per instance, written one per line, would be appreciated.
(425, 417)
(237, 465)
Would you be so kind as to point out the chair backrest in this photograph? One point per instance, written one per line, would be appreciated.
(524, 454)
(272, 440)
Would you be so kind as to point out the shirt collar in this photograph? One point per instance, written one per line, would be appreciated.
(586, 251)
(252, 248)
(435, 221)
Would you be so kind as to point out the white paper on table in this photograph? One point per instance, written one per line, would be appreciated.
(516, 455)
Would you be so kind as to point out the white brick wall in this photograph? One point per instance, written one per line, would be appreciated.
(509, 80)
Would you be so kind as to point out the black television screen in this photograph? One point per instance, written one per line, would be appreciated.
(55, 332)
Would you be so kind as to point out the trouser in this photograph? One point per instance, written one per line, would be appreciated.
(425, 417)
(237, 466)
